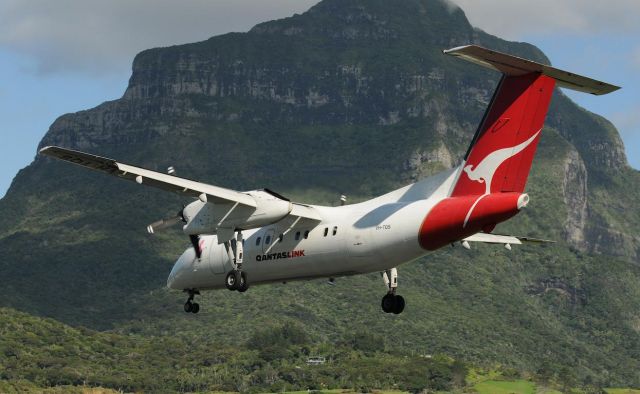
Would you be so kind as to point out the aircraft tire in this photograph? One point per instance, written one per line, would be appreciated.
(188, 306)
(244, 284)
(398, 305)
(195, 307)
(233, 280)
(388, 303)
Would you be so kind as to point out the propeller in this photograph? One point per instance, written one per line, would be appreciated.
(195, 241)
(166, 223)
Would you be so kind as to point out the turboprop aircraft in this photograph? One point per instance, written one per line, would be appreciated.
(261, 237)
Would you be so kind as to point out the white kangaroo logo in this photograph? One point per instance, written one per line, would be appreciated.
(484, 172)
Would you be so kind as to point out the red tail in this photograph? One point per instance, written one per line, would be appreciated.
(489, 187)
(500, 156)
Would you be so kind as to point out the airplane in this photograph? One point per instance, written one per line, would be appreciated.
(261, 237)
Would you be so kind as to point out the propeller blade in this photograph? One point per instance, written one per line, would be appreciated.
(195, 241)
(164, 223)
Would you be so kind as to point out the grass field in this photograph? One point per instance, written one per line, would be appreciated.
(347, 391)
(489, 387)
(504, 387)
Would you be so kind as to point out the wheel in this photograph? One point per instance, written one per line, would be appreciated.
(398, 306)
(195, 307)
(244, 284)
(233, 279)
(188, 306)
(388, 302)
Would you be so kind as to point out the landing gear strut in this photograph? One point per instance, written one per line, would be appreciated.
(391, 302)
(189, 306)
(236, 279)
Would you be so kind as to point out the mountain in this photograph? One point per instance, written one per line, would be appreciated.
(352, 97)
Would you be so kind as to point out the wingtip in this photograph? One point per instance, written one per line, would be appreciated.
(45, 149)
(454, 49)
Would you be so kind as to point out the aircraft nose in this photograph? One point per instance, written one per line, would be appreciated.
(176, 277)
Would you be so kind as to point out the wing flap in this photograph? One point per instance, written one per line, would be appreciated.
(305, 212)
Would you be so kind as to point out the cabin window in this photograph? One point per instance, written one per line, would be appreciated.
(267, 239)
(335, 230)
(326, 231)
(281, 237)
(306, 234)
(298, 236)
(258, 241)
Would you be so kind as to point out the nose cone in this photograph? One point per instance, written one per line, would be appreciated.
(177, 278)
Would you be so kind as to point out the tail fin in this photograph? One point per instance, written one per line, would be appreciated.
(502, 151)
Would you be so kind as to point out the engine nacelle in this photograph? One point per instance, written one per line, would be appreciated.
(209, 218)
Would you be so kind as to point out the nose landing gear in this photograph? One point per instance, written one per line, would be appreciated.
(189, 306)
(391, 302)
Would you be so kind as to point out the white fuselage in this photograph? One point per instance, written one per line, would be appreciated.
(372, 236)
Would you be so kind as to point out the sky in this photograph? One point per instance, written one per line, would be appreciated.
(64, 56)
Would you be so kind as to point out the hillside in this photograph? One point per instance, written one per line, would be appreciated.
(352, 97)
(42, 354)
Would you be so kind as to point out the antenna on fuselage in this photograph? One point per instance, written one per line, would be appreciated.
(343, 199)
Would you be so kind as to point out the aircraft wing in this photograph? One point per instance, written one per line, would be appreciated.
(159, 180)
(231, 209)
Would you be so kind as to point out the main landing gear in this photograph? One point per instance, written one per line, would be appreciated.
(190, 306)
(236, 279)
(391, 302)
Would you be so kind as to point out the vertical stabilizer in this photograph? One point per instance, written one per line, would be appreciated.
(501, 153)
(489, 186)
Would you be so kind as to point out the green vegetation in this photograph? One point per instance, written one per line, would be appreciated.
(353, 97)
(505, 387)
(44, 353)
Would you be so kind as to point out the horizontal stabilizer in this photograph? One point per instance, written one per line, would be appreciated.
(517, 66)
(503, 239)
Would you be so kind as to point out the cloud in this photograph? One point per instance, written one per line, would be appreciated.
(98, 37)
(451, 5)
(515, 19)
